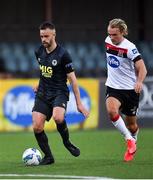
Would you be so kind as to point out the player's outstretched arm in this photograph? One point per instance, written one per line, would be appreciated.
(73, 81)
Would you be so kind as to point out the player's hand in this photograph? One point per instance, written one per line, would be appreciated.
(35, 88)
(138, 87)
(83, 110)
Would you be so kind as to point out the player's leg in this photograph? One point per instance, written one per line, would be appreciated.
(58, 116)
(131, 122)
(39, 117)
(132, 125)
(41, 137)
(112, 106)
(130, 110)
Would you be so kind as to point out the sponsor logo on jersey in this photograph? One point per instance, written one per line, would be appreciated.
(134, 51)
(46, 71)
(72, 115)
(113, 61)
(17, 105)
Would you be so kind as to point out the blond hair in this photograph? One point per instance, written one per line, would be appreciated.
(119, 23)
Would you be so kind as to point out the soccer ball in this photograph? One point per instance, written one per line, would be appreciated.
(31, 157)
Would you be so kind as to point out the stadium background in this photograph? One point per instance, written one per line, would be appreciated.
(81, 27)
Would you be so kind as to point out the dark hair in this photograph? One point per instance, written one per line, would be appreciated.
(46, 25)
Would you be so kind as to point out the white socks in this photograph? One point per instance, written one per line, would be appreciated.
(120, 125)
(134, 135)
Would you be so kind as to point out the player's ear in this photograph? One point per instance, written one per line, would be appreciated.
(54, 33)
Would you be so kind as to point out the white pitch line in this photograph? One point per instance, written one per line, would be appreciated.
(54, 176)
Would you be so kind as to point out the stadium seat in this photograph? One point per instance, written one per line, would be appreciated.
(88, 58)
(9, 59)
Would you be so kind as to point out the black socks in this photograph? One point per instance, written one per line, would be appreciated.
(44, 146)
(43, 143)
(63, 130)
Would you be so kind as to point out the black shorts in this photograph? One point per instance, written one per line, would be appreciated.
(46, 107)
(129, 100)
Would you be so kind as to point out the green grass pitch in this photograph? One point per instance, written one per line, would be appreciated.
(101, 155)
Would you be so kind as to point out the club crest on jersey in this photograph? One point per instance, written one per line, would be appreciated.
(120, 53)
(54, 62)
(113, 61)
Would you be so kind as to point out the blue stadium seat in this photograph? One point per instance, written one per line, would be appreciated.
(9, 59)
(146, 50)
(76, 60)
(21, 58)
(29, 50)
(88, 58)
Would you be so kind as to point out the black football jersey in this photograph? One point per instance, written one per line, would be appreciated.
(54, 67)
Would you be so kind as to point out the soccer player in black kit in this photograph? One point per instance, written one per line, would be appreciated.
(52, 92)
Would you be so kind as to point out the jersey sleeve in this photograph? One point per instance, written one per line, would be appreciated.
(67, 62)
(133, 53)
(37, 53)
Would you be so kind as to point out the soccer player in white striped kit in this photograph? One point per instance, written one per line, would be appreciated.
(126, 72)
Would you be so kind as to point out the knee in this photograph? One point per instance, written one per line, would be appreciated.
(132, 127)
(58, 118)
(37, 128)
(38, 121)
(112, 113)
